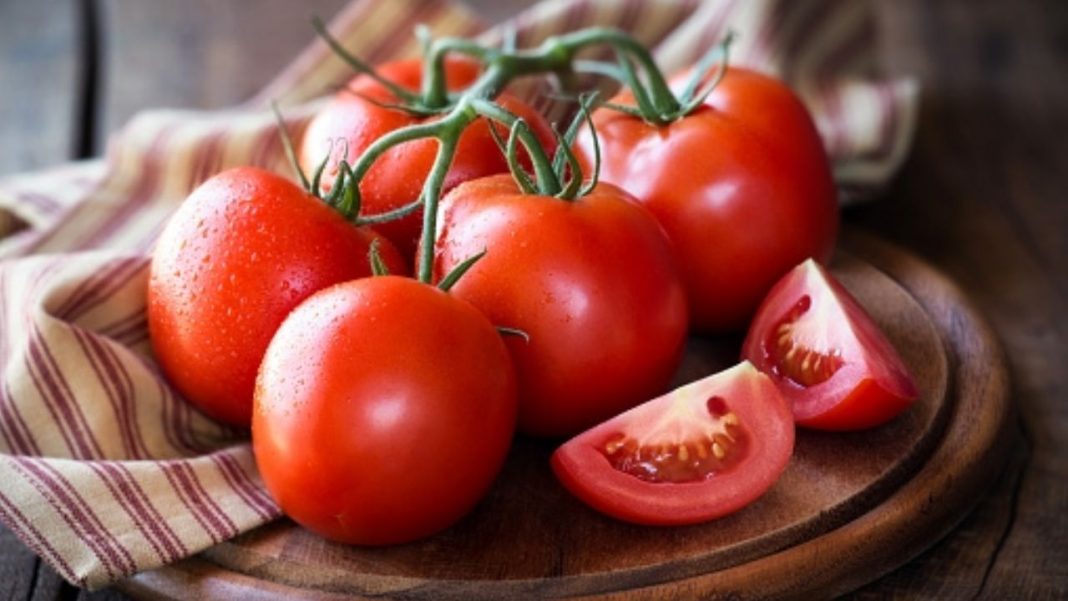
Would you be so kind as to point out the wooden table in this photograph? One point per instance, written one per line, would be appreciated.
(982, 197)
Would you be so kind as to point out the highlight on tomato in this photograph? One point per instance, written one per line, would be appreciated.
(741, 184)
(384, 409)
(592, 283)
(239, 253)
(702, 451)
(827, 355)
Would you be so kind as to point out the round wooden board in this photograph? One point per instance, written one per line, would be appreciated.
(848, 509)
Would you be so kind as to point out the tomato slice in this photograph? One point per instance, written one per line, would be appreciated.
(828, 357)
(694, 454)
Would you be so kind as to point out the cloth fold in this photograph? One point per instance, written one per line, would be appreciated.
(106, 471)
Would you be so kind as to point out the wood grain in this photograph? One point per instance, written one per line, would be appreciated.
(982, 198)
(848, 508)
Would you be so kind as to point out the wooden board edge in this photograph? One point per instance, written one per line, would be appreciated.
(976, 448)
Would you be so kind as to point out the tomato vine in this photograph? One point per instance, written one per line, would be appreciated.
(634, 67)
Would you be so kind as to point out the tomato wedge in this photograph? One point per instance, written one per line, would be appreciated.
(826, 354)
(700, 452)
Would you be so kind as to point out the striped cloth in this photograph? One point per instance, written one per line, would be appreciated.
(105, 470)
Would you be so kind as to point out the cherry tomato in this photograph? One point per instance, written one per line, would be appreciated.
(697, 453)
(354, 121)
(827, 355)
(384, 410)
(593, 284)
(742, 185)
(244, 249)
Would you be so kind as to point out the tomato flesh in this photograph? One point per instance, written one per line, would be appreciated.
(660, 456)
(793, 357)
(702, 451)
(827, 355)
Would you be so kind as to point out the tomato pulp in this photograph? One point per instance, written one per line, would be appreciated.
(702, 451)
(827, 355)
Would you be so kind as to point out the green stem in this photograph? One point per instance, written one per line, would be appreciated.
(435, 90)
(547, 182)
(431, 195)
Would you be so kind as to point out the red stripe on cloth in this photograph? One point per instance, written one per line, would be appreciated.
(713, 33)
(828, 75)
(11, 414)
(125, 489)
(122, 377)
(152, 164)
(808, 15)
(108, 283)
(193, 497)
(763, 47)
(119, 405)
(54, 390)
(42, 203)
(76, 513)
(27, 533)
(208, 154)
(10, 421)
(136, 333)
(175, 429)
(428, 12)
(121, 326)
(265, 144)
(252, 495)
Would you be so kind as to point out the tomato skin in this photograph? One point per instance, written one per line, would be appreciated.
(591, 281)
(384, 410)
(872, 384)
(239, 253)
(583, 468)
(397, 177)
(742, 186)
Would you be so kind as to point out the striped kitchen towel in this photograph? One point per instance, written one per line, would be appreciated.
(106, 471)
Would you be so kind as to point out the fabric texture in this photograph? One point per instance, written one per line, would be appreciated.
(106, 471)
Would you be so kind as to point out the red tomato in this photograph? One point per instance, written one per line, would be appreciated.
(384, 410)
(827, 356)
(396, 179)
(742, 186)
(697, 453)
(244, 249)
(591, 281)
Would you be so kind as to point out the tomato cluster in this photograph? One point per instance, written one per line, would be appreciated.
(546, 302)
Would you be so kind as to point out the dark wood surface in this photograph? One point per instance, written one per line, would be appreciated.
(982, 197)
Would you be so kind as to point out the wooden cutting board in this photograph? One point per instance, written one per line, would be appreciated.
(848, 509)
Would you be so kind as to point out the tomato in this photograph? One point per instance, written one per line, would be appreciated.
(242, 250)
(827, 355)
(353, 120)
(593, 284)
(384, 410)
(700, 452)
(742, 185)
